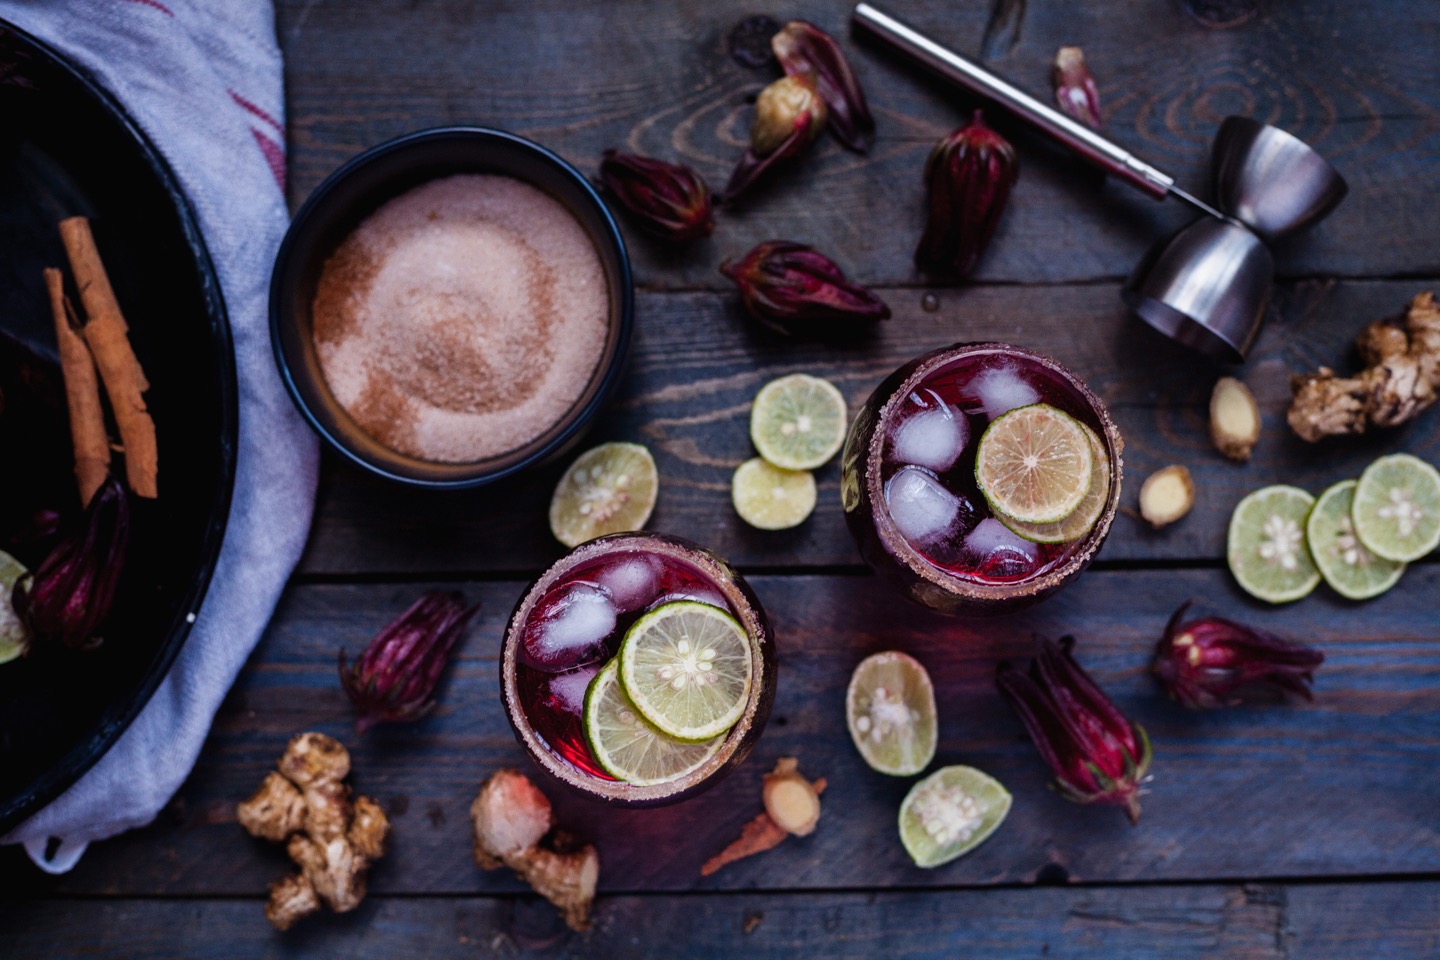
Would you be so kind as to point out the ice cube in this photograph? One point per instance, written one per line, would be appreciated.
(570, 630)
(632, 582)
(933, 437)
(567, 690)
(999, 553)
(1002, 388)
(923, 510)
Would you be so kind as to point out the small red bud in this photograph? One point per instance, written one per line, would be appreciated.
(801, 47)
(668, 199)
(1075, 91)
(789, 286)
(969, 176)
(1213, 662)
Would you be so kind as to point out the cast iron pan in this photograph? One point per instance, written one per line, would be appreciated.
(67, 148)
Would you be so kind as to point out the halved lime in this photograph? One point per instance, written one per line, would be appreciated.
(1266, 546)
(890, 709)
(608, 489)
(950, 813)
(1034, 464)
(628, 747)
(1083, 520)
(1350, 569)
(798, 422)
(1397, 507)
(687, 667)
(771, 498)
(14, 637)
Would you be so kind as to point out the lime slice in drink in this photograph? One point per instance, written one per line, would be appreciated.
(628, 747)
(950, 813)
(14, 638)
(798, 422)
(890, 708)
(1397, 507)
(1266, 546)
(687, 668)
(1083, 520)
(770, 498)
(1351, 570)
(608, 489)
(1035, 464)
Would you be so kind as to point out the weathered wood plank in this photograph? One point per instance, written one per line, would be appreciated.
(1150, 924)
(1383, 920)
(697, 364)
(1342, 786)
(1358, 80)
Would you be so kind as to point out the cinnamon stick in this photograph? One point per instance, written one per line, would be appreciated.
(106, 334)
(82, 393)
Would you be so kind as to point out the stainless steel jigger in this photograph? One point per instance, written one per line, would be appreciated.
(1207, 285)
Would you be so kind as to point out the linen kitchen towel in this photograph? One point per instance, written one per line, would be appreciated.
(204, 79)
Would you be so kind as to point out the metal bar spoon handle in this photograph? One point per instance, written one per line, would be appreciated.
(1106, 154)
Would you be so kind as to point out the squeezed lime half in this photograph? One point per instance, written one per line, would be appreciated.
(1348, 567)
(1397, 507)
(14, 637)
(608, 489)
(1266, 546)
(950, 813)
(772, 498)
(627, 746)
(1035, 464)
(687, 668)
(890, 710)
(798, 422)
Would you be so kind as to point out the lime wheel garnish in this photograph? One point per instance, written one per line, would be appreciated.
(687, 667)
(1035, 464)
(626, 745)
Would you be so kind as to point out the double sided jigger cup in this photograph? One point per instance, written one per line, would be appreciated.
(1207, 285)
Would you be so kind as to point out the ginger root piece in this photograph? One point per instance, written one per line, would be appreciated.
(1234, 419)
(514, 827)
(332, 840)
(1166, 496)
(792, 808)
(1401, 379)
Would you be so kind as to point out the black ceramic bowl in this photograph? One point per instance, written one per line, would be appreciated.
(356, 190)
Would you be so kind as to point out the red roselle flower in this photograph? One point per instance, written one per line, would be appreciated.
(969, 176)
(1075, 91)
(1096, 754)
(789, 115)
(69, 595)
(786, 284)
(1213, 662)
(669, 199)
(394, 679)
(801, 47)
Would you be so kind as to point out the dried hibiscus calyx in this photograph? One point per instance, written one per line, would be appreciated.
(789, 115)
(1075, 91)
(801, 47)
(790, 286)
(968, 176)
(394, 679)
(668, 199)
(68, 597)
(1095, 752)
(1213, 662)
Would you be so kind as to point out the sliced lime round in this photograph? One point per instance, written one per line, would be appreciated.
(14, 637)
(1351, 570)
(771, 498)
(1034, 464)
(798, 422)
(1266, 546)
(1397, 507)
(890, 709)
(687, 668)
(1083, 520)
(608, 489)
(950, 813)
(628, 747)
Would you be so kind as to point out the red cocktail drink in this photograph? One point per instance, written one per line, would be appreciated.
(911, 493)
(569, 628)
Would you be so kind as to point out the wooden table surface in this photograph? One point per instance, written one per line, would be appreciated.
(1307, 831)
